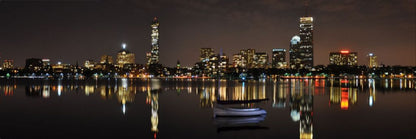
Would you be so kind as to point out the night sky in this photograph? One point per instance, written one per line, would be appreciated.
(77, 30)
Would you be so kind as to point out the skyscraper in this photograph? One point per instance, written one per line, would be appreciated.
(306, 42)
(279, 58)
(237, 60)
(260, 60)
(250, 54)
(372, 60)
(344, 57)
(124, 57)
(223, 62)
(153, 56)
(206, 54)
(294, 55)
(245, 59)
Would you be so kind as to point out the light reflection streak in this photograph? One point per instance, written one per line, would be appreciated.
(343, 94)
(46, 91)
(59, 89)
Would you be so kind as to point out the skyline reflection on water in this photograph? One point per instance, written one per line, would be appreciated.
(291, 101)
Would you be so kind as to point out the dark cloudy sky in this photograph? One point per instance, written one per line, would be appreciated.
(76, 30)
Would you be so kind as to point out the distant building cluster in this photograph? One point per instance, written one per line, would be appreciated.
(211, 63)
(124, 60)
(250, 59)
(245, 63)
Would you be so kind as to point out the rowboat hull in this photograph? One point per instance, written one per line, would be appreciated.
(238, 112)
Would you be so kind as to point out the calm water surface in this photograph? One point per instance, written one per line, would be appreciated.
(159, 108)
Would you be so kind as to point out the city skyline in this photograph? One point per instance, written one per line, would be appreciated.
(80, 30)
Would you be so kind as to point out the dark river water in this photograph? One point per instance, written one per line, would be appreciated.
(183, 108)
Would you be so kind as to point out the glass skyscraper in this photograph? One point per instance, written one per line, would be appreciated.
(153, 56)
(306, 42)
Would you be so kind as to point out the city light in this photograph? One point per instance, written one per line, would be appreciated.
(124, 45)
(70, 78)
(345, 51)
(124, 109)
(344, 99)
(214, 65)
(370, 101)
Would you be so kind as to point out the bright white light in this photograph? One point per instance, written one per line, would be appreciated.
(370, 54)
(46, 91)
(124, 108)
(59, 89)
(295, 40)
(59, 62)
(124, 45)
(124, 83)
(295, 115)
(370, 101)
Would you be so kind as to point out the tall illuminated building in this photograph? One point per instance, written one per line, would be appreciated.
(343, 57)
(250, 56)
(124, 57)
(223, 63)
(46, 64)
(306, 42)
(294, 55)
(8, 64)
(207, 60)
(153, 56)
(237, 60)
(260, 60)
(245, 59)
(244, 62)
(372, 60)
(279, 58)
(206, 54)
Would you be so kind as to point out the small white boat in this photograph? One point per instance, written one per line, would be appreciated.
(223, 111)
